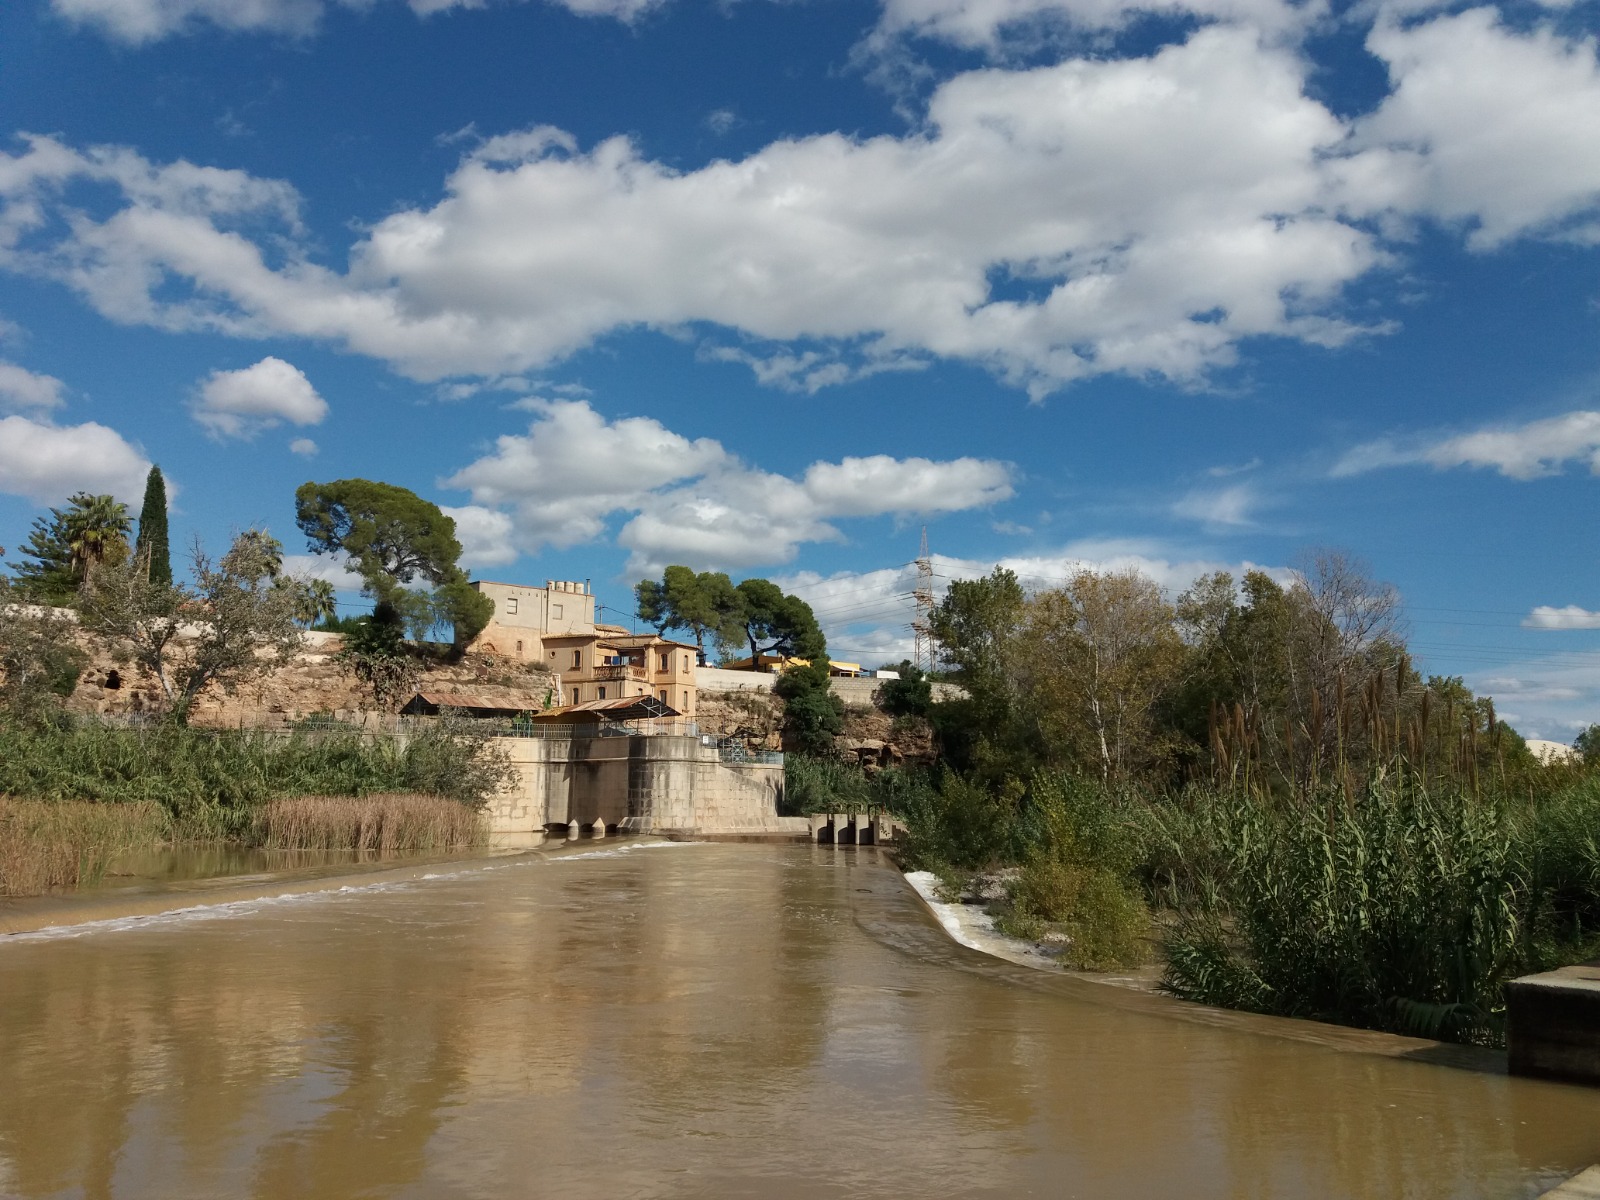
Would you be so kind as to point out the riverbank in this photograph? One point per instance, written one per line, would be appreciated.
(1138, 990)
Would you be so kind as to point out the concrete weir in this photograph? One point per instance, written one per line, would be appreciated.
(1553, 1024)
(853, 829)
(661, 784)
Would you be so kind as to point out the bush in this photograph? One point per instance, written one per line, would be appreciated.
(1077, 874)
(959, 824)
(823, 784)
(1104, 920)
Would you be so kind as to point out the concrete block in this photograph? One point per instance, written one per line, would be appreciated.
(1583, 1186)
(1553, 1024)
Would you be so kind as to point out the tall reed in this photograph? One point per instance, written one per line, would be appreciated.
(64, 845)
(1397, 908)
(383, 823)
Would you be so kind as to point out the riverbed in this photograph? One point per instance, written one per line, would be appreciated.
(693, 1020)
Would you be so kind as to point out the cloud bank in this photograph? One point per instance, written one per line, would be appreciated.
(690, 500)
(1144, 216)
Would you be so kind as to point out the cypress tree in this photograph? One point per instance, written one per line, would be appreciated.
(152, 539)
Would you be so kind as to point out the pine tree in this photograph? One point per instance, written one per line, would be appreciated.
(152, 540)
(45, 575)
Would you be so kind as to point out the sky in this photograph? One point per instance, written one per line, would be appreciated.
(770, 286)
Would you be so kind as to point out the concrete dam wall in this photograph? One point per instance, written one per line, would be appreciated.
(639, 784)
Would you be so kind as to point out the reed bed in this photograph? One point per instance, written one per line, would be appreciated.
(382, 822)
(46, 846)
(212, 781)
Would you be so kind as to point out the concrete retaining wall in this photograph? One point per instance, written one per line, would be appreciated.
(1553, 1024)
(660, 784)
(851, 691)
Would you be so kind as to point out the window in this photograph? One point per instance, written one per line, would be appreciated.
(577, 659)
(663, 694)
(511, 606)
(685, 664)
(666, 663)
(686, 702)
(519, 647)
(577, 695)
(555, 611)
(602, 694)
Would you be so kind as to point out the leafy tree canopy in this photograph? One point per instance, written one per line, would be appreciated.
(775, 623)
(701, 604)
(390, 535)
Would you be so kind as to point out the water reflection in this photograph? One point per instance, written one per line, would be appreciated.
(688, 1021)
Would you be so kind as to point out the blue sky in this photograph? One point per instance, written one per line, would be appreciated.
(768, 286)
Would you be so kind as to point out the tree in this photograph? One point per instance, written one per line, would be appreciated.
(317, 603)
(702, 604)
(232, 625)
(376, 653)
(1097, 657)
(976, 626)
(911, 695)
(389, 534)
(1587, 744)
(775, 623)
(812, 714)
(463, 608)
(91, 529)
(39, 659)
(151, 547)
(45, 574)
(97, 529)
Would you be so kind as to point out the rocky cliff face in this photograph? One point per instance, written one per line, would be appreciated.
(313, 683)
(872, 736)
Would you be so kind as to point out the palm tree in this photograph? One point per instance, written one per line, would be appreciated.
(316, 604)
(96, 529)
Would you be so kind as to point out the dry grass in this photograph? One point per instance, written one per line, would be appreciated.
(382, 822)
(67, 844)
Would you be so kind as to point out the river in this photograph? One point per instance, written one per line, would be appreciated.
(690, 1020)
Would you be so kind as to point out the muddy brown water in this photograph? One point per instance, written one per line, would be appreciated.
(690, 1021)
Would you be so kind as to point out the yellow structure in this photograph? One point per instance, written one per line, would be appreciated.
(777, 664)
(555, 624)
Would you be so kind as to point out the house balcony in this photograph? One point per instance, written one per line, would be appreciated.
(621, 671)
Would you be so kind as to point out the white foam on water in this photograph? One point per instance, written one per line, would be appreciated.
(619, 851)
(228, 909)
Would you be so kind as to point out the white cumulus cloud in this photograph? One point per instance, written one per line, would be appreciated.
(1492, 128)
(690, 500)
(1140, 215)
(47, 463)
(485, 535)
(240, 404)
(1547, 616)
(21, 388)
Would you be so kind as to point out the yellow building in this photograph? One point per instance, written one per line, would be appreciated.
(555, 624)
